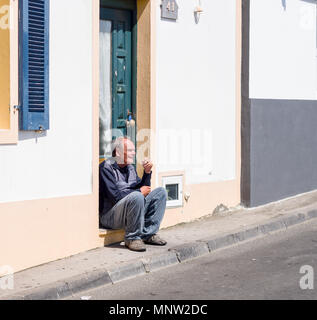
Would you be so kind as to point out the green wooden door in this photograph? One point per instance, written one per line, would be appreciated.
(120, 22)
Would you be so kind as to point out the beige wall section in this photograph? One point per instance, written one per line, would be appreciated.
(143, 63)
(205, 197)
(39, 231)
(203, 200)
(9, 87)
(4, 64)
(146, 42)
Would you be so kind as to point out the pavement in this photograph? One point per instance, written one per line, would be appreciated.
(274, 267)
(108, 265)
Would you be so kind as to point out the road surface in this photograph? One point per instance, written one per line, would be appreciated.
(264, 268)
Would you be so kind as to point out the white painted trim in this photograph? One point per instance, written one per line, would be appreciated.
(174, 180)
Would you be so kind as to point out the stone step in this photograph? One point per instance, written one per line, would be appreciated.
(108, 236)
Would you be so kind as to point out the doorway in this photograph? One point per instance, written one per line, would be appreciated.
(117, 108)
(141, 14)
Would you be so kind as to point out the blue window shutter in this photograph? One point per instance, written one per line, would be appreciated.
(34, 64)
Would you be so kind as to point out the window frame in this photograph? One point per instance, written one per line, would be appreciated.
(174, 179)
(10, 136)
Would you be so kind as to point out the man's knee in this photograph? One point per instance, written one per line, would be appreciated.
(136, 199)
(161, 193)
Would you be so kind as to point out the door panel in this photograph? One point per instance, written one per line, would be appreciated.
(105, 94)
(121, 49)
(121, 78)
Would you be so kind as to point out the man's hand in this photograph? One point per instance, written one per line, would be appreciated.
(147, 165)
(145, 190)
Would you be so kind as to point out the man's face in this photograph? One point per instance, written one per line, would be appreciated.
(126, 152)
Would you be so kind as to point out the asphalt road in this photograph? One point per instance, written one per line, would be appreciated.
(265, 268)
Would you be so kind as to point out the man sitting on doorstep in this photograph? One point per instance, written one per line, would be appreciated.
(126, 201)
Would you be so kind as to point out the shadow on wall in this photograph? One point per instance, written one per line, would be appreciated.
(310, 1)
(284, 2)
(27, 135)
(168, 20)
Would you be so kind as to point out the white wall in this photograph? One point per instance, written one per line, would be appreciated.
(59, 163)
(196, 90)
(283, 49)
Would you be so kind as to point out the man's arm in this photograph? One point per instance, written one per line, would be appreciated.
(110, 186)
(145, 181)
(145, 184)
(146, 178)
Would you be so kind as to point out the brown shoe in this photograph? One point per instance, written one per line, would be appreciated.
(135, 245)
(155, 240)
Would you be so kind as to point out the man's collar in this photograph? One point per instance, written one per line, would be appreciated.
(116, 166)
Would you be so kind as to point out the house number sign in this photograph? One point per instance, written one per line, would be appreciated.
(169, 9)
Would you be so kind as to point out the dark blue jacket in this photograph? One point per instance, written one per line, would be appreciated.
(115, 183)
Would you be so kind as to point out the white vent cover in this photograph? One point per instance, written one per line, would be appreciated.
(174, 188)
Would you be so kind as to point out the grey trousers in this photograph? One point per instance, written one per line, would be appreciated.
(139, 216)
